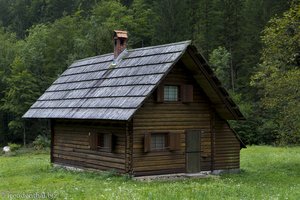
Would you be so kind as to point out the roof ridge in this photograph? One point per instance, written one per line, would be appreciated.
(136, 49)
(162, 45)
(97, 56)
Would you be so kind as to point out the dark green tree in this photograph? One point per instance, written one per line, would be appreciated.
(142, 29)
(7, 55)
(220, 61)
(22, 91)
(38, 60)
(172, 22)
(278, 77)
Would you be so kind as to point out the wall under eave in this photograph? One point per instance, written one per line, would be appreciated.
(227, 146)
(71, 144)
(173, 117)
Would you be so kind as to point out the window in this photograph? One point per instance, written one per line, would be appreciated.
(104, 140)
(175, 93)
(158, 141)
(171, 93)
(101, 141)
(161, 141)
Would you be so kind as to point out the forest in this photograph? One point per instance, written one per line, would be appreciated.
(252, 45)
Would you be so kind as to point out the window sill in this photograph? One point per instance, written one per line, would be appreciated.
(160, 150)
(171, 102)
(103, 149)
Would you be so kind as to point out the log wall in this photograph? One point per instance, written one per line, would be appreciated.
(227, 147)
(173, 117)
(71, 144)
(219, 146)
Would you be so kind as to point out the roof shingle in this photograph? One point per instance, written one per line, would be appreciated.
(93, 88)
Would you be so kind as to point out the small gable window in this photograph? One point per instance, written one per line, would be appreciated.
(175, 93)
(171, 93)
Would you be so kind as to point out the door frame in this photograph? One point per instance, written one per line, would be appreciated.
(186, 148)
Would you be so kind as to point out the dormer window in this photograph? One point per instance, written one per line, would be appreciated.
(171, 93)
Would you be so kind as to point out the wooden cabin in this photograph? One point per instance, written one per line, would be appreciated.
(147, 111)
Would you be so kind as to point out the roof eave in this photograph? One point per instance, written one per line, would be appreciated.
(232, 110)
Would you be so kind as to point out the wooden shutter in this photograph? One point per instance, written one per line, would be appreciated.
(174, 139)
(109, 142)
(93, 140)
(147, 142)
(187, 93)
(160, 94)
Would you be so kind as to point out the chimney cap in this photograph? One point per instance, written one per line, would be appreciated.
(120, 34)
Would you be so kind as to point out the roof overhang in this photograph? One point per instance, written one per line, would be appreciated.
(211, 85)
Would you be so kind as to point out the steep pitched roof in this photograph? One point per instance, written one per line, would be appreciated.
(94, 88)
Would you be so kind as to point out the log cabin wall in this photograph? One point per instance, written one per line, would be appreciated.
(227, 147)
(71, 144)
(94, 88)
(172, 117)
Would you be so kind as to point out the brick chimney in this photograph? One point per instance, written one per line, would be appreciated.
(120, 39)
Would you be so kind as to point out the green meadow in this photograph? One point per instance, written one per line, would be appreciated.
(266, 173)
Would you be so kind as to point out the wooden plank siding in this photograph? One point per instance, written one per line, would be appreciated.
(174, 117)
(124, 100)
(71, 144)
(227, 147)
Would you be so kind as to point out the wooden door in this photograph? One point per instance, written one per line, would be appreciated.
(193, 145)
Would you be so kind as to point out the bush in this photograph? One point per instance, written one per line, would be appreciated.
(41, 142)
(14, 147)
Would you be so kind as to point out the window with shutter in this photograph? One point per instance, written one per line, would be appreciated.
(171, 93)
(101, 141)
(158, 141)
(175, 93)
(105, 142)
(161, 141)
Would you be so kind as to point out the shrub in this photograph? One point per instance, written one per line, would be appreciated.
(41, 142)
(14, 147)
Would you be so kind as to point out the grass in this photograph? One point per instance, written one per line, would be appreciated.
(267, 173)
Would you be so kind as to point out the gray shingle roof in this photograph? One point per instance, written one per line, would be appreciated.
(93, 88)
